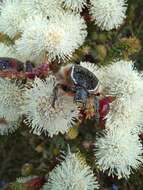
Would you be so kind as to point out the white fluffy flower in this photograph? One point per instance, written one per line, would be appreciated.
(119, 152)
(65, 34)
(42, 116)
(75, 5)
(125, 114)
(10, 52)
(6, 51)
(108, 14)
(73, 174)
(31, 45)
(11, 99)
(126, 84)
(58, 37)
(44, 7)
(125, 81)
(11, 17)
(7, 127)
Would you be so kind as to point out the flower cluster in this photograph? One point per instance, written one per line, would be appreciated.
(114, 150)
(57, 38)
(12, 15)
(43, 29)
(50, 32)
(73, 174)
(126, 84)
(6, 51)
(46, 7)
(119, 152)
(31, 44)
(42, 115)
(11, 98)
(108, 14)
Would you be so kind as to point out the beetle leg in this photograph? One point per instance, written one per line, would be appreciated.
(55, 95)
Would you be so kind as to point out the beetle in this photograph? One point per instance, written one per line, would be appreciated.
(79, 82)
